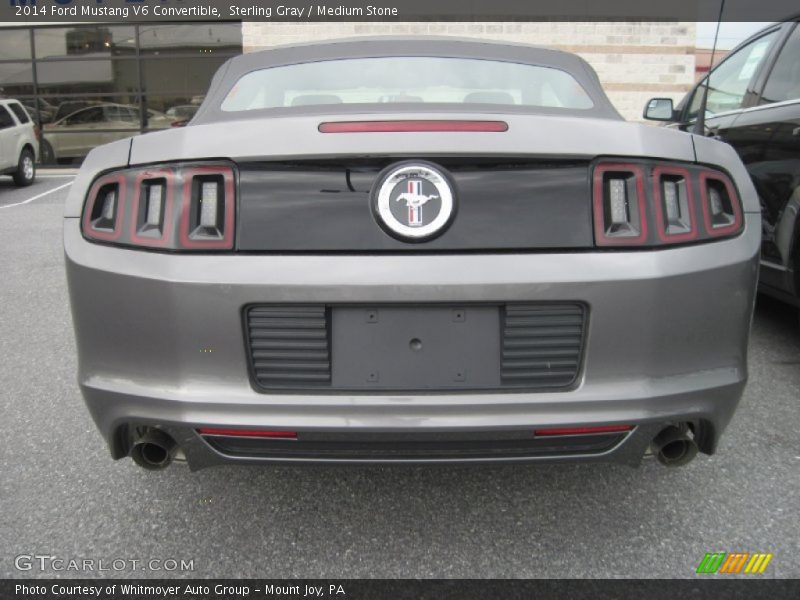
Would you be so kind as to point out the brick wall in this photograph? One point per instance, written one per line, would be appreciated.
(635, 61)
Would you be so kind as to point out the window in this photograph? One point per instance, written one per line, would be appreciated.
(731, 79)
(87, 76)
(166, 110)
(86, 116)
(16, 79)
(15, 44)
(190, 39)
(99, 82)
(407, 80)
(75, 42)
(22, 116)
(64, 108)
(784, 80)
(6, 119)
(187, 76)
(116, 112)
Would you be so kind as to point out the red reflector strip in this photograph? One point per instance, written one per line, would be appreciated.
(411, 126)
(583, 430)
(247, 433)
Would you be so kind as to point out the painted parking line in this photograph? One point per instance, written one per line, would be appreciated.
(37, 196)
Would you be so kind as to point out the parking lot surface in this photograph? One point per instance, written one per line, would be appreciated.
(63, 496)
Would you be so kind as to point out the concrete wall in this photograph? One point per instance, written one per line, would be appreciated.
(635, 61)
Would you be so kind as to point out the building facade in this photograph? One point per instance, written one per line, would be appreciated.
(90, 84)
(86, 85)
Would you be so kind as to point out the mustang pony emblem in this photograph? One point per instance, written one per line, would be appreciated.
(414, 199)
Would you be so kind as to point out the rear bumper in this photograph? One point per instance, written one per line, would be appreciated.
(160, 343)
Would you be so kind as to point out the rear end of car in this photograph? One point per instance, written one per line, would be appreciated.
(413, 287)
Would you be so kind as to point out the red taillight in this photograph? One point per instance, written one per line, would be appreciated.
(247, 433)
(104, 212)
(152, 207)
(653, 204)
(555, 431)
(722, 212)
(207, 211)
(673, 199)
(619, 205)
(180, 207)
(412, 126)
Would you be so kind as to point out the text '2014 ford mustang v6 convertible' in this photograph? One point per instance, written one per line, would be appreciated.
(411, 250)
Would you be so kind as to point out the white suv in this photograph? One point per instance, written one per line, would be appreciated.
(19, 146)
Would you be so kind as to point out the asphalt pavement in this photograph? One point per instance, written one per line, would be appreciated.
(62, 496)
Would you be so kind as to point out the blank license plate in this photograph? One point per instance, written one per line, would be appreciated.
(416, 348)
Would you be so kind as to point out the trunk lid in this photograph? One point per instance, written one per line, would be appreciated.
(301, 190)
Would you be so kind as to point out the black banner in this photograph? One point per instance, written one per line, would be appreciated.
(34, 12)
(397, 589)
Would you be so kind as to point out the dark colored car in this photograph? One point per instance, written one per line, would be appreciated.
(754, 105)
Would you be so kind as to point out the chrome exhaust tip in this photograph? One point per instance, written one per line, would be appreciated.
(154, 450)
(672, 447)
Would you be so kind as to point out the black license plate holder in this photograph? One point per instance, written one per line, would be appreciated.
(416, 348)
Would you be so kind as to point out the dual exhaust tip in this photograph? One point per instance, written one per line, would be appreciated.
(154, 450)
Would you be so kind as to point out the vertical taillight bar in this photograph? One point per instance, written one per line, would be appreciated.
(620, 218)
(674, 204)
(105, 210)
(207, 212)
(722, 209)
(152, 208)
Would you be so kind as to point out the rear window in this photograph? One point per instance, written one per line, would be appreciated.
(415, 80)
(22, 116)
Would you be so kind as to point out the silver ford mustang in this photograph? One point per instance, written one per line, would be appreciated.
(411, 250)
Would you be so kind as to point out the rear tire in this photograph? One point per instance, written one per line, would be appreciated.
(797, 273)
(48, 155)
(26, 168)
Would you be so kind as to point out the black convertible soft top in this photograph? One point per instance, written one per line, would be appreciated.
(408, 46)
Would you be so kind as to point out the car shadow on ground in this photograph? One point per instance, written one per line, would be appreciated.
(6, 183)
(431, 500)
(426, 498)
(777, 318)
